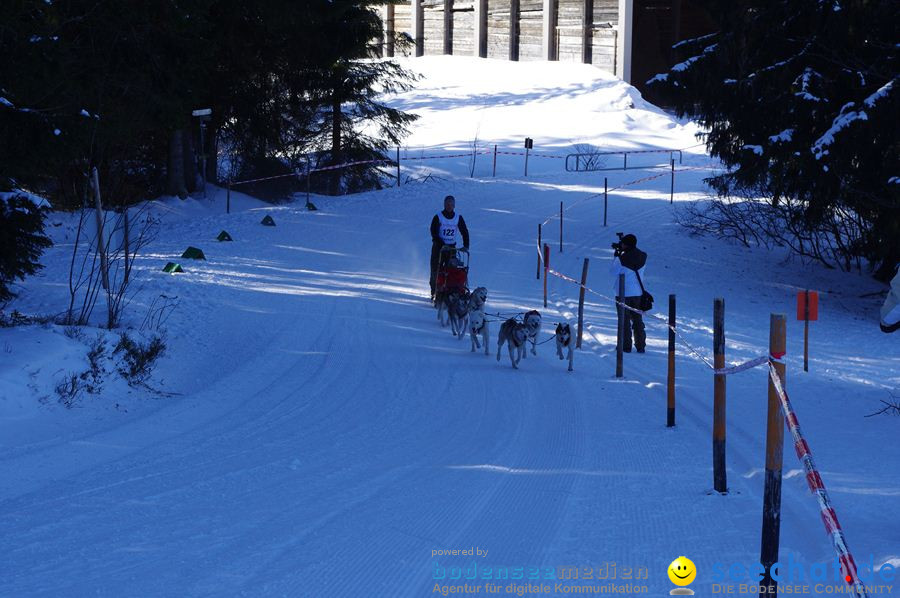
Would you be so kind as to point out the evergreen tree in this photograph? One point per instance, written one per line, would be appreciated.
(22, 241)
(800, 100)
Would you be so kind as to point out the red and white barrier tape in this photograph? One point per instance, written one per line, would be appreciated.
(817, 487)
(299, 174)
(466, 155)
(346, 164)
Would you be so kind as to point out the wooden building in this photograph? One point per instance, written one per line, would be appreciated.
(631, 39)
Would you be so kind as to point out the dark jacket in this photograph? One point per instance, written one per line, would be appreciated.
(436, 227)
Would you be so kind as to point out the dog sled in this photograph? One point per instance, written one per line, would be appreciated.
(453, 272)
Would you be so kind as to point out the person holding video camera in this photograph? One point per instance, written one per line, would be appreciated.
(629, 260)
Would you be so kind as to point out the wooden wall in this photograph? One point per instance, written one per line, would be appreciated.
(569, 29)
(403, 24)
(434, 26)
(603, 41)
(464, 27)
(531, 15)
(498, 28)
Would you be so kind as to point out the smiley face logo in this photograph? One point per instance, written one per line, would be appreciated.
(682, 571)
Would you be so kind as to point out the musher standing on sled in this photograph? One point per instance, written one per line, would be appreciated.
(444, 227)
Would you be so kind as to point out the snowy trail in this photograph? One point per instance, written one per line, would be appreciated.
(329, 435)
(318, 467)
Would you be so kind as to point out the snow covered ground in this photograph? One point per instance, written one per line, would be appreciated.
(313, 431)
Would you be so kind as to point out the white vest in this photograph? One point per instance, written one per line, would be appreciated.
(448, 228)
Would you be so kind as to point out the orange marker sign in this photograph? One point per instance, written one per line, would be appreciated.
(813, 305)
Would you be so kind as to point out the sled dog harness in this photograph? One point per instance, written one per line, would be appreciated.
(448, 228)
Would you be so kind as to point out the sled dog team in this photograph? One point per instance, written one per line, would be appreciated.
(465, 313)
(464, 309)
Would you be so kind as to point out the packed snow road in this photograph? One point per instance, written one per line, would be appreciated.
(324, 436)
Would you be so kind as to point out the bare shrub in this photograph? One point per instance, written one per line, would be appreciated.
(138, 357)
(832, 239)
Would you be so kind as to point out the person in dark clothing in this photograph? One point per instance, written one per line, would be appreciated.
(630, 261)
(444, 228)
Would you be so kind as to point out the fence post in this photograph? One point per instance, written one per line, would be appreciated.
(495, 160)
(605, 197)
(620, 308)
(398, 165)
(670, 391)
(625, 161)
(526, 161)
(546, 270)
(672, 185)
(560, 225)
(228, 197)
(720, 482)
(584, 272)
(806, 330)
(539, 256)
(771, 523)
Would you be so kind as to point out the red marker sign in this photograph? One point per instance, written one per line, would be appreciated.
(807, 311)
(808, 300)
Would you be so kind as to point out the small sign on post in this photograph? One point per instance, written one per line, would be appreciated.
(807, 311)
(529, 145)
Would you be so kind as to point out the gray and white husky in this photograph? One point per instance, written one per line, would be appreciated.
(455, 304)
(478, 298)
(532, 322)
(478, 325)
(564, 340)
(458, 311)
(514, 334)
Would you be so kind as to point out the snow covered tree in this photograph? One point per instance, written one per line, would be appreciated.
(22, 241)
(800, 100)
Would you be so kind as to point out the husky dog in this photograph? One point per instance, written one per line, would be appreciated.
(477, 298)
(477, 325)
(514, 334)
(564, 341)
(447, 301)
(532, 320)
(458, 312)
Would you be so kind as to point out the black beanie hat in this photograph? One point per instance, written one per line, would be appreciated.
(629, 241)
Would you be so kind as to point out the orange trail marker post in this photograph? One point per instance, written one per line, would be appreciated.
(807, 310)
(720, 481)
(771, 522)
(546, 270)
(620, 299)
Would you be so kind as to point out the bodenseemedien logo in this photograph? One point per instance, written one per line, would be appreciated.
(682, 572)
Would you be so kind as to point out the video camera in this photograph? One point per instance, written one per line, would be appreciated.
(618, 247)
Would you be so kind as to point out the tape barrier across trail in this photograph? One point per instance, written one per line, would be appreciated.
(801, 446)
(817, 487)
(466, 155)
(312, 170)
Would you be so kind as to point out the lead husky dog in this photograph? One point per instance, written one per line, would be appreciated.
(532, 322)
(514, 334)
(564, 341)
(478, 325)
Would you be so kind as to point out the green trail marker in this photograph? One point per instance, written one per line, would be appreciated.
(193, 253)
